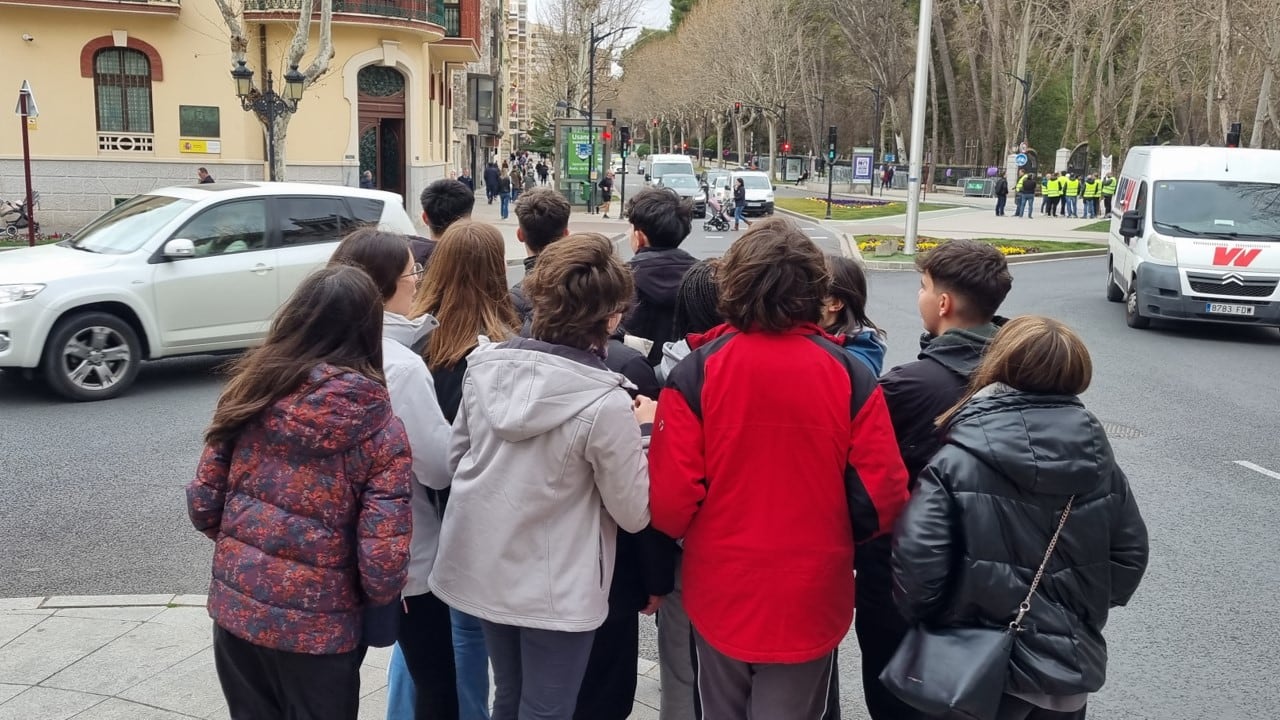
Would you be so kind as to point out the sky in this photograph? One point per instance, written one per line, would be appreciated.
(656, 13)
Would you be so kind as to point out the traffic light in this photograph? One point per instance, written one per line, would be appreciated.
(737, 107)
(831, 143)
(606, 135)
(655, 122)
(1233, 135)
(624, 135)
(684, 146)
(786, 146)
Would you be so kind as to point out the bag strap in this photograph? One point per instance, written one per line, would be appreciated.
(1025, 607)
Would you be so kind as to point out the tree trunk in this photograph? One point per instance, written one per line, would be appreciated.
(1264, 107)
(773, 146)
(943, 58)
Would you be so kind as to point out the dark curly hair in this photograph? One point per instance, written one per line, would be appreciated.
(576, 286)
(773, 278)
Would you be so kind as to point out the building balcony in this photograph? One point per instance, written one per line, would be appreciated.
(461, 21)
(140, 7)
(426, 17)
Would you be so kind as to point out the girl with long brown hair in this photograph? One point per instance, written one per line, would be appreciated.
(1024, 469)
(304, 487)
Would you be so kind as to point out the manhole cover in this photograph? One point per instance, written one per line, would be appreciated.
(1116, 430)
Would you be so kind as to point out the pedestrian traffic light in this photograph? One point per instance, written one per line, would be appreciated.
(737, 107)
(655, 122)
(684, 146)
(1233, 135)
(606, 135)
(624, 135)
(786, 146)
(831, 143)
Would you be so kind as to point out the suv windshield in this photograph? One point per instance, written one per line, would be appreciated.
(680, 181)
(1215, 209)
(128, 226)
(660, 169)
(755, 182)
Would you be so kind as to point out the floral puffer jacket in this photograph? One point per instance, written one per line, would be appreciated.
(310, 510)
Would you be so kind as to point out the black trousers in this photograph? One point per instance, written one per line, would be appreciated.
(426, 639)
(609, 686)
(880, 629)
(1013, 708)
(264, 684)
(1106, 203)
(1000, 203)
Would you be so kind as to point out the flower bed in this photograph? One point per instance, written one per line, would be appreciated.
(924, 244)
(850, 202)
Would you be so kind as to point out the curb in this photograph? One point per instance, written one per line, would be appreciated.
(64, 602)
(846, 245)
(900, 265)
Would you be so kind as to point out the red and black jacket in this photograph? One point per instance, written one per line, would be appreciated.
(772, 455)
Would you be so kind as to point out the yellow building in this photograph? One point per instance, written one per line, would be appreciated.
(138, 94)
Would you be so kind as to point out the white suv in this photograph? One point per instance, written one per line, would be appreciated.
(178, 271)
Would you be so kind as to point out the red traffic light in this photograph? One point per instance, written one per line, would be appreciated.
(685, 145)
(786, 147)
(655, 122)
(737, 107)
(607, 135)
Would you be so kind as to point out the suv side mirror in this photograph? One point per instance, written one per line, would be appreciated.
(178, 248)
(1131, 224)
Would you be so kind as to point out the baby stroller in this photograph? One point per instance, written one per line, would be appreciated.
(717, 215)
(15, 217)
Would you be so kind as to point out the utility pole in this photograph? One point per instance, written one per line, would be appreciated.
(917, 126)
(594, 39)
(1026, 104)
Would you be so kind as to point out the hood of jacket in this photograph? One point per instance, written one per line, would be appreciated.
(332, 411)
(1046, 444)
(409, 333)
(528, 387)
(697, 340)
(960, 350)
(658, 272)
(868, 346)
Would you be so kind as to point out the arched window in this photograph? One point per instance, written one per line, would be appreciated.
(122, 88)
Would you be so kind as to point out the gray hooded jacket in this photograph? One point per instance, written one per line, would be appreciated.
(547, 462)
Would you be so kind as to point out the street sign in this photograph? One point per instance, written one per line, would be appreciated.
(31, 110)
(1021, 159)
(890, 157)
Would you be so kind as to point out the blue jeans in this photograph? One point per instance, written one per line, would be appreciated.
(1029, 201)
(472, 661)
(400, 690)
(1000, 201)
(506, 203)
(1071, 207)
(737, 215)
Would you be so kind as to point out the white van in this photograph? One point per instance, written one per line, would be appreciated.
(660, 165)
(1195, 235)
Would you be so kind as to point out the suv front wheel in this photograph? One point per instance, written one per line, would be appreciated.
(91, 356)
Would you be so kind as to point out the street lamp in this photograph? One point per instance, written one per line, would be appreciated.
(268, 103)
(1026, 96)
(591, 105)
(822, 121)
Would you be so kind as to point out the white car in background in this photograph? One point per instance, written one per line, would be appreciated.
(177, 271)
(759, 190)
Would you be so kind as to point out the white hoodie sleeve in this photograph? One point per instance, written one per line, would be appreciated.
(413, 397)
(615, 449)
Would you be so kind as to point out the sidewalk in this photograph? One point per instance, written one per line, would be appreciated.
(146, 657)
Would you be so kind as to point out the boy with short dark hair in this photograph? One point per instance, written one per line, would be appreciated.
(543, 217)
(444, 202)
(792, 433)
(660, 221)
(962, 284)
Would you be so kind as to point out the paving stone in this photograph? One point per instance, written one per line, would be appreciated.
(378, 657)
(191, 686)
(40, 703)
(23, 603)
(190, 600)
(81, 601)
(644, 666)
(372, 679)
(374, 705)
(643, 712)
(54, 644)
(13, 625)
(7, 691)
(136, 656)
(648, 691)
(192, 618)
(135, 614)
(117, 709)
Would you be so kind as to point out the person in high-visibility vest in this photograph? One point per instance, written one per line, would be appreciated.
(1108, 191)
(1052, 194)
(1072, 192)
(1092, 191)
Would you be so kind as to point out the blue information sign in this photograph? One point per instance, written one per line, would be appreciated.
(1021, 159)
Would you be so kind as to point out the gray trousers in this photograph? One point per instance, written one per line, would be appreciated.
(675, 655)
(734, 690)
(536, 673)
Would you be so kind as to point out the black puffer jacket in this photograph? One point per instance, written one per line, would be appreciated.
(658, 272)
(977, 527)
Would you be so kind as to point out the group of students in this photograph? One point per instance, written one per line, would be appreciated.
(488, 466)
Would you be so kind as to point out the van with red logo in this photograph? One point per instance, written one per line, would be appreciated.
(1195, 235)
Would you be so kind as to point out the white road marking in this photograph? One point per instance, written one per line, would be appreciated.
(1258, 469)
(819, 237)
(713, 237)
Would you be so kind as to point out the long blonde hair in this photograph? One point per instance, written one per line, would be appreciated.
(1032, 354)
(465, 288)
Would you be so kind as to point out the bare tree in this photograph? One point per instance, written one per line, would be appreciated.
(233, 15)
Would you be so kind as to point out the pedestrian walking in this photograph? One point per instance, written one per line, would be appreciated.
(739, 204)
(1026, 478)
(203, 176)
(366, 180)
(582, 474)
(660, 222)
(504, 192)
(467, 180)
(425, 638)
(304, 485)
(844, 313)
(756, 559)
(1027, 195)
(962, 284)
(541, 169)
(491, 181)
(606, 192)
(1002, 193)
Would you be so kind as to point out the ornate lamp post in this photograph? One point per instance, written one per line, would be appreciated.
(269, 104)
